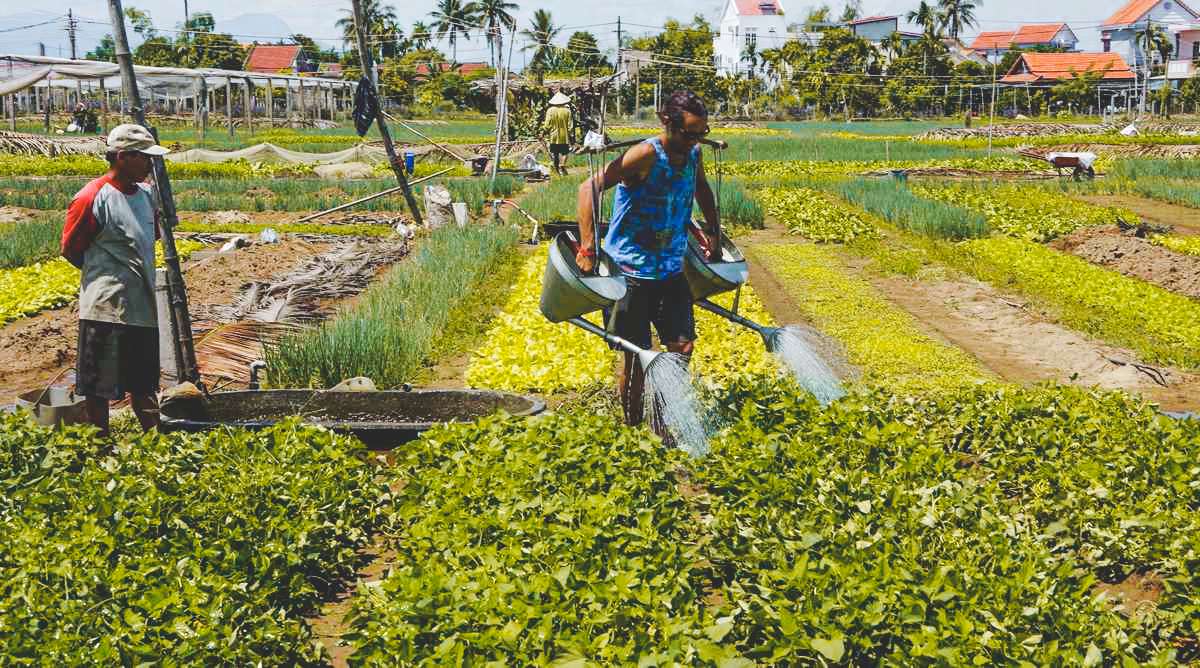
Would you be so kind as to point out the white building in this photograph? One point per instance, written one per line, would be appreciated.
(757, 23)
(1119, 34)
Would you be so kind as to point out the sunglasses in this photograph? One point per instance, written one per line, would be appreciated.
(693, 136)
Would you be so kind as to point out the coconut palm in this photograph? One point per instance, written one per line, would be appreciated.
(926, 17)
(541, 34)
(494, 16)
(421, 35)
(451, 20)
(1152, 40)
(957, 15)
(381, 24)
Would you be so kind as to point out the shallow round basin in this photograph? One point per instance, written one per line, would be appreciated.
(378, 419)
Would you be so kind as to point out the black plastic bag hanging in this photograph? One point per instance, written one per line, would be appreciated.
(366, 106)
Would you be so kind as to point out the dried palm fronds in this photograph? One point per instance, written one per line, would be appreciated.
(21, 143)
(341, 272)
(227, 351)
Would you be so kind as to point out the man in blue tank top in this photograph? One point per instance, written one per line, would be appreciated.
(656, 183)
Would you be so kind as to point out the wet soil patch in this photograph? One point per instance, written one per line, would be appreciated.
(1136, 257)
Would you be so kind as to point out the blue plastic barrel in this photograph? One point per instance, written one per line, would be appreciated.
(410, 161)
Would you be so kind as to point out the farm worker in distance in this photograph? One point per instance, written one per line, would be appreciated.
(656, 182)
(558, 127)
(109, 234)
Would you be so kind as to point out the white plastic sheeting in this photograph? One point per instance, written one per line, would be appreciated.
(273, 153)
(18, 73)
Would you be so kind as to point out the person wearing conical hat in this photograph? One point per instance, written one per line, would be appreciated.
(558, 129)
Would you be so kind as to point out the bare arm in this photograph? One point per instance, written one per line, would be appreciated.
(633, 165)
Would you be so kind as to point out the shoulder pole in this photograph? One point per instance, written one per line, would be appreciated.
(185, 349)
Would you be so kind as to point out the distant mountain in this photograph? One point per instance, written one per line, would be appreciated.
(251, 27)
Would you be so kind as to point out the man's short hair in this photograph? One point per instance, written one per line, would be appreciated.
(111, 156)
(679, 102)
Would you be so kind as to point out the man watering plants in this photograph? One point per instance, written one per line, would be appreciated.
(109, 235)
(656, 183)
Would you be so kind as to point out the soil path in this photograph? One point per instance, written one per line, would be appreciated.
(1021, 346)
(1108, 247)
(33, 350)
(1014, 342)
(1184, 219)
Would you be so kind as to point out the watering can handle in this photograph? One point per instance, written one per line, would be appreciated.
(37, 404)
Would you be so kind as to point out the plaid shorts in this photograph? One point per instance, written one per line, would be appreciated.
(115, 359)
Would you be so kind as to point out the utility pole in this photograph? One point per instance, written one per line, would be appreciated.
(185, 349)
(72, 25)
(617, 68)
(364, 57)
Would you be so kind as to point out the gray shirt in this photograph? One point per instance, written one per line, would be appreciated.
(117, 282)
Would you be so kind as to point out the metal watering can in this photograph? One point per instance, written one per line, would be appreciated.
(728, 272)
(568, 293)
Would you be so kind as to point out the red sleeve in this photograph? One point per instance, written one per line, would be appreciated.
(81, 226)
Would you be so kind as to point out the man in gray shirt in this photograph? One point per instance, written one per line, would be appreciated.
(109, 234)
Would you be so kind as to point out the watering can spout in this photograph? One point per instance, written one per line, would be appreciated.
(647, 357)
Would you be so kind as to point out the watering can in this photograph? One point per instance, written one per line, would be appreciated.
(568, 293)
(54, 405)
(712, 277)
(707, 278)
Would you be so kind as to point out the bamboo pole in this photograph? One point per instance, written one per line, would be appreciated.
(270, 104)
(364, 55)
(185, 350)
(368, 198)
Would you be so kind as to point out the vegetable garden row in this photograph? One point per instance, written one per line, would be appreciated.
(936, 514)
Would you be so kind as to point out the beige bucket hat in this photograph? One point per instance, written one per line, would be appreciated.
(133, 137)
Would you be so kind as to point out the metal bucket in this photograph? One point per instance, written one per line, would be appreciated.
(53, 406)
(569, 293)
(710, 278)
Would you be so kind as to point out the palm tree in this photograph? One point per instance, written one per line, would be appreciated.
(893, 45)
(494, 15)
(924, 16)
(957, 15)
(541, 34)
(381, 24)
(1153, 40)
(852, 11)
(421, 36)
(750, 53)
(451, 20)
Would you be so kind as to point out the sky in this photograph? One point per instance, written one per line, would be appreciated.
(270, 18)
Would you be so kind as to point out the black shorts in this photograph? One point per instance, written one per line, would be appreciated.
(666, 303)
(560, 149)
(115, 359)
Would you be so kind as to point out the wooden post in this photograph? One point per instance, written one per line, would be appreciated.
(103, 107)
(49, 103)
(303, 106)
(185, 350)
(229, 104)
(202, 101)
(248, 97)
(270, 104)
(196, 104)
(364, 55)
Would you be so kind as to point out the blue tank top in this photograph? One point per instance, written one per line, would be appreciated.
(647, 235)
